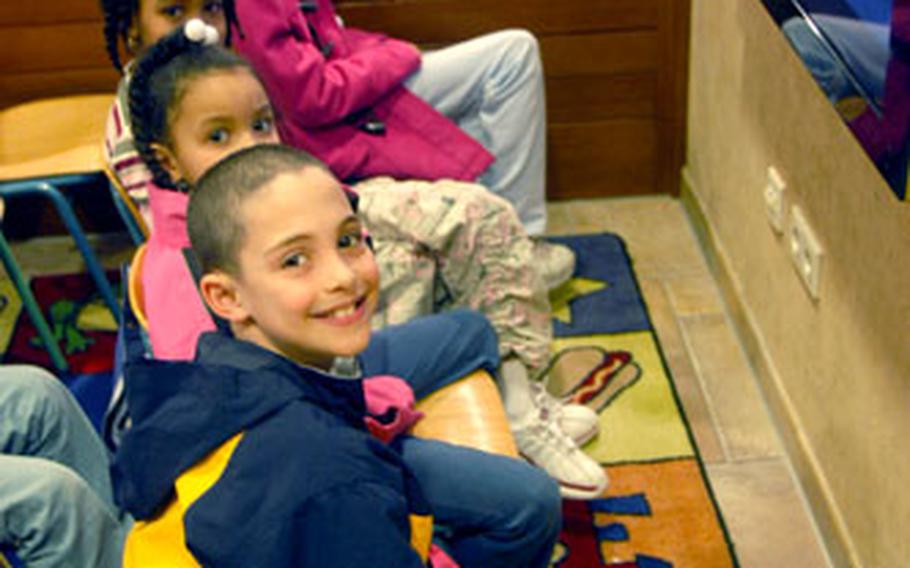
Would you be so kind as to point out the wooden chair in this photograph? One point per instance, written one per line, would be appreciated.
(47, 145)
(468, 412)
(134, 286)
(126, 207)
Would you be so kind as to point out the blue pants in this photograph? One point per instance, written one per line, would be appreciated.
(492, 87)
(495, 511)
(55, 493)
(864, 47)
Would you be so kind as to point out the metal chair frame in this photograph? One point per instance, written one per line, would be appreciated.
(42, 166)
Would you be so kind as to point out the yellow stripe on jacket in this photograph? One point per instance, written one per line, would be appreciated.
(421, 534)
(161, 542)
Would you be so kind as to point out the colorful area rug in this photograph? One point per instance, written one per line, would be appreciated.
(658, 511)
(83, 326)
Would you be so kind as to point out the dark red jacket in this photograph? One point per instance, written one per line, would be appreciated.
(327, 82)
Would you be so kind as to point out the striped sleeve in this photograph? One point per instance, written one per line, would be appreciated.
(120, 151)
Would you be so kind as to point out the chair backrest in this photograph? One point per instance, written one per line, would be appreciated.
(53, 136)
(127, 208)
(134, 287)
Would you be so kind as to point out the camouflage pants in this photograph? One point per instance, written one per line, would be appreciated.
(451, 244)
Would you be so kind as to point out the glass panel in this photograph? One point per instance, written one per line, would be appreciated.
(858, 51)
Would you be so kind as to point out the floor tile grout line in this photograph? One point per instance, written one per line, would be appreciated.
(709, 401)
(662, 284)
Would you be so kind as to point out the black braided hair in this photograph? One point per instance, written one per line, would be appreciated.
(157, 85)
(119, 16)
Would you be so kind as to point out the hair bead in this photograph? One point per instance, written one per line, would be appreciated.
(199, 32)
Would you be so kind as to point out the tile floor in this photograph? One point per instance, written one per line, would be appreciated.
(764, 508)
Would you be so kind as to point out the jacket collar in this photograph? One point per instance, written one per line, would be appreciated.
(181, 411)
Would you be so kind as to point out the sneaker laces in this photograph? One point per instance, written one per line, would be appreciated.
(546, 402)
(548, 425)
(547, 436)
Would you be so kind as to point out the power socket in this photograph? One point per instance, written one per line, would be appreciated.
(805, 251)
(775, 200)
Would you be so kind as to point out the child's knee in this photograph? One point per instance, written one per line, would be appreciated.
(44, 485)
(27, 390)
(523, 45)
(28, 378)
(476, 325)
(543, 492)
(540, 514)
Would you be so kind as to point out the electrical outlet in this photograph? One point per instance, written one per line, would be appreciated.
(805, 251)
(775, 200)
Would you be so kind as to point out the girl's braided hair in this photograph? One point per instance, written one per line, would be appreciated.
(158, 83)
(119, 16)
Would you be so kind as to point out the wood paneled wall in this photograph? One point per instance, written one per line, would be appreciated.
(615, 72)
(52, 48)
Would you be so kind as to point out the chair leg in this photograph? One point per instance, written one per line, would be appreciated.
(75, 229)
(31, 305)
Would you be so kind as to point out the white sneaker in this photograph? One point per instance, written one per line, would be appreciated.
(576, 421)
(556, 262)
(541, 442)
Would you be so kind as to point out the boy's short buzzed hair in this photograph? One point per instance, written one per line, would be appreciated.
(214, 219)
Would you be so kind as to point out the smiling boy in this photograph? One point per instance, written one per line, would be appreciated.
(304, 283)
(256, 453)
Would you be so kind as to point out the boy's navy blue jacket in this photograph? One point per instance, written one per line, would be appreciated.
(252, 460)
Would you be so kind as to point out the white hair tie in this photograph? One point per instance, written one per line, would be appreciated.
(198, 31)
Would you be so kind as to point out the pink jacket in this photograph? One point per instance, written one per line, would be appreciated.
(324, 100)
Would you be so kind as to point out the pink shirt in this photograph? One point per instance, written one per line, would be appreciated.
(173, 307)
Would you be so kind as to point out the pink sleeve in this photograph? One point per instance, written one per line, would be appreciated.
(390, 406)
(311, 90)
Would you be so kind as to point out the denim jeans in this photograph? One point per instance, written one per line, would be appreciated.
(56, 508)
(863, 46)
(492, 87)
(495, 511)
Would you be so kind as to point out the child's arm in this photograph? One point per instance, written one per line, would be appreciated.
(349, 527)
(119, 150)
(313, 498)
(358, 525)
(309, 88)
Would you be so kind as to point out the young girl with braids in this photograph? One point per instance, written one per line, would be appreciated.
(471, 238)
(135, 24)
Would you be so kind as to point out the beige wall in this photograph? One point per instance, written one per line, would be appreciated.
(837, 372)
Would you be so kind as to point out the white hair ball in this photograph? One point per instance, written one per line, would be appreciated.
(195, 30)
(211, 36)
